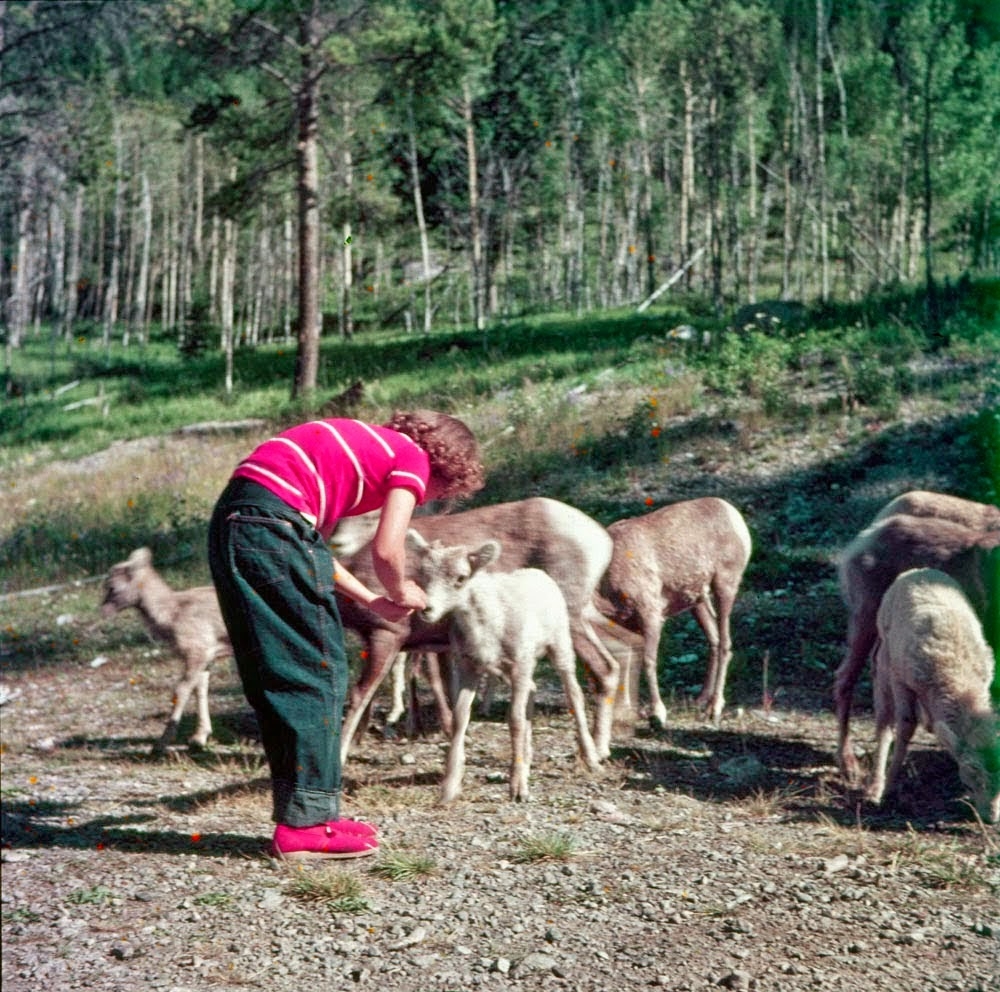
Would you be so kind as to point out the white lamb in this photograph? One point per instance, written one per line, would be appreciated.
(933, 661)
(501, 623)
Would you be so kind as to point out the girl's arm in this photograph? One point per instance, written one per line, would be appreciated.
(353, 588)
(389, 550)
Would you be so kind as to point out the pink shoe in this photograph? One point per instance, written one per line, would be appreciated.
(335, 839)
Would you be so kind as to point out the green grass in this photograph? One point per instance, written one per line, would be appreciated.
(605, 411)
(548, 847)
(401, 866)
(335, 890)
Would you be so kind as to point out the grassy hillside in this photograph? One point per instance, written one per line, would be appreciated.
(808, 429)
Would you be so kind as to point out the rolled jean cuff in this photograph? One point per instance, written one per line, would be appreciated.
(300, 808)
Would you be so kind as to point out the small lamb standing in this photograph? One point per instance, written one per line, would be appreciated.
(932, 660)
(189, 621)
(501, 623)
(686, 556)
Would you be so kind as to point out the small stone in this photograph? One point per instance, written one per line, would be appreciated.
(838, 863)
(415, 936)
(536, 961)
(739, 980)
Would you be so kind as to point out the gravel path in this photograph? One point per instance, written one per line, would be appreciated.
(700, 858)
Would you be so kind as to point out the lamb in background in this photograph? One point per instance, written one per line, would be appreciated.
(933, 661)
(571, 547)
(687, 556)
(501, 622)
(188, 621)
(868, 566)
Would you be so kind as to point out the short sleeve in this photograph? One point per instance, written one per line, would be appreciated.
(411, 470)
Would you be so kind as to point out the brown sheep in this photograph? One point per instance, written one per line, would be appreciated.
(866, 569)
(686, 556)
(188, 621)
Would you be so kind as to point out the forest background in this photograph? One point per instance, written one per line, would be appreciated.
(626, 241)
(230, 174)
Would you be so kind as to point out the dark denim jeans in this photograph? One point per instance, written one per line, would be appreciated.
(274, 577)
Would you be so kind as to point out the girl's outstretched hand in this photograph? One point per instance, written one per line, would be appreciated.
(388, 610)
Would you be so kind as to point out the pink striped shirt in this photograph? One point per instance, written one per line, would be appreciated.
(328, 469)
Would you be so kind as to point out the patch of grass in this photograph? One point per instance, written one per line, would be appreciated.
(21, 915)
(399, 866)
(765, 803)
(548, 847)
(939, 863)
(336, 890)
(96, 895)
(213, 899)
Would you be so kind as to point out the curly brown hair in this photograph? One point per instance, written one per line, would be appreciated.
(452, 448)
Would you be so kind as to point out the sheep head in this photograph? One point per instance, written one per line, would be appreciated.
(123, 585)
(978, 757)
(444, 572)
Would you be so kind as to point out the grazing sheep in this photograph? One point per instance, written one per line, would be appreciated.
(571, 547)
(868, 566)
(922, 503)
(933, 661)
(188, 621)
(686, 556)
(501, 623)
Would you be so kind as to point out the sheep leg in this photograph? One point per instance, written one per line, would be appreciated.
(376, 668)
(905, 705)
(451, 785)
(414, 724)
(577, 708)
(723, 654)
(705, 614)
(860, 641)
(606, 671)
(204, 728)
(652, 629)
(182, 692)
(398, 688)
(522, 688)
(432, 665)
(884, 720)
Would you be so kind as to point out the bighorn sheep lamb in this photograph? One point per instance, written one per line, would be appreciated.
(933, 661)
(687, 556)
(189, 621)
(538, 532)
(868, 566)
(500, 622)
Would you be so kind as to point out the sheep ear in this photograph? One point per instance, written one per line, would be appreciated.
(141, 556)
(483, 555)
(415, 540)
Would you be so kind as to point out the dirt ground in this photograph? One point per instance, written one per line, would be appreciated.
(701, 857)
